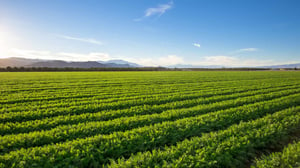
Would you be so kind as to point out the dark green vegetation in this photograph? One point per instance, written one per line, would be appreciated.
(71, 69)
(289, 157)
(149, 119)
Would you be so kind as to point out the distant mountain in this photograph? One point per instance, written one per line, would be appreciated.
(64, 64)
(17, 62)
(120, 62)
(282, 66)
(23, 62)
(88, 64)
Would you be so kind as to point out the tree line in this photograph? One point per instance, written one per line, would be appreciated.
(66, 69)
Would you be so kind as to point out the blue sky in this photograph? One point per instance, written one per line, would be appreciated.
(198, 32)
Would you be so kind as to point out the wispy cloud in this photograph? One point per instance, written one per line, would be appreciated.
(230, 61)
(215, 60)
(66, 56)
(159, 10)
(219, 60)
(247, 50)
(243, 50)
(197, 45)
(86, 40)
(158, 61)
(41, 54)
(170, 60)
(93, 56)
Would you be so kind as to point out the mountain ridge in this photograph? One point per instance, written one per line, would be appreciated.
(24, 62)
(115, 63)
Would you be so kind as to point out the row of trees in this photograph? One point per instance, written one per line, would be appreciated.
(47, 69)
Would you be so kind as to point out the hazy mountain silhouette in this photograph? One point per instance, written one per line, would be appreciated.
(282, 66)
(17, 62)
(120, 62)
(23, 62)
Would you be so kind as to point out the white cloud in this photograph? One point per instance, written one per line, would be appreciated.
(93, 56)
(197, 45)
(158, 61)
(219, 60)
(229, 61)
(170, 60)
(47, 55)
(244, 50)
(40, 54)
(247, 50)
(159, 10)
(86, 40)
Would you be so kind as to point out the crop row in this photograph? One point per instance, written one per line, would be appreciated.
(60, 100)
(289, 157)
(100, 98)
(102, 79)
(92, 108)
(104, 88)
(232, 147)
(55, 92)
(137, 94)
(48, 123)
(101, 148)
(82, 130)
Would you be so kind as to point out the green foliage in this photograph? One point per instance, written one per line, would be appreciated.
(148, 119)
(289, 157)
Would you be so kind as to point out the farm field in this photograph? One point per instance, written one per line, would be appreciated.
(150, 119)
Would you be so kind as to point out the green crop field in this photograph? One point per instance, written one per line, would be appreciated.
(150, 119)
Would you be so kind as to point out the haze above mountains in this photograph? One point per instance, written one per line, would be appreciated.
(24, 62)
